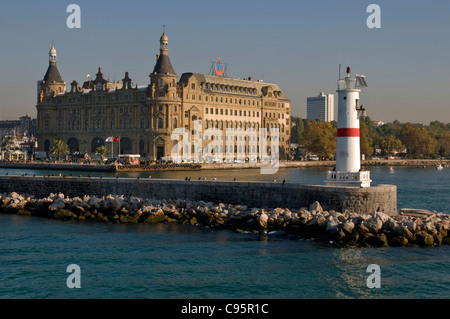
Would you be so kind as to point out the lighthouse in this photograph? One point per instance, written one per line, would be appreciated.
(348, 155)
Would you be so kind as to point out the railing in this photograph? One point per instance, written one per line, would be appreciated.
(348, 176)
(347, 84)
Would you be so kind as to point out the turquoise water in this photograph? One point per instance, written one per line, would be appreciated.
(174, 261)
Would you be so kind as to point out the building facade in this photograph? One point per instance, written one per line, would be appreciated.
(144, 117)
(24, 127)
(321, 107)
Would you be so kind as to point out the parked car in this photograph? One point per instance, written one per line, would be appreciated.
(312, 158)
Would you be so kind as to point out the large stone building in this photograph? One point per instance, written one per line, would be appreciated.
(144, 117)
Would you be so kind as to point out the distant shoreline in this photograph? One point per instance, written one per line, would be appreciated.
(421, 163)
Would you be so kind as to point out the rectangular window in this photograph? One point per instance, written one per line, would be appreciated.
(206, 110)
(221, 111)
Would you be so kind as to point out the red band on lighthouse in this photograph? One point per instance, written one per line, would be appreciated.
(348, 132)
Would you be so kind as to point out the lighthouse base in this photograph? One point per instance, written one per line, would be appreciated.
(349, 179)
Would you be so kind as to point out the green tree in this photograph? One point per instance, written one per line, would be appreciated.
(436, 128)
(390, 144)
(59, 147)
(319, 138)
(417, 140)
(101, 151)
(7, 142)
(443, 141)
(297, 130)
(365, 140)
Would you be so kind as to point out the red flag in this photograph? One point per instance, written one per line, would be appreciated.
(116, 139)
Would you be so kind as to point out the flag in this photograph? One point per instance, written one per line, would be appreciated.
(116, 139)
(109, 140)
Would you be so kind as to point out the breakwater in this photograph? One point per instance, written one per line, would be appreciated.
(382, 198)
(339, 228)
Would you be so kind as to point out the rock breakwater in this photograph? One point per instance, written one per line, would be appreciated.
(339, 228)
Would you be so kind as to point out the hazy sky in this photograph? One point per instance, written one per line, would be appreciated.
(296, 44)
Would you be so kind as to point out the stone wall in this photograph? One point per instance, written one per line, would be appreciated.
(382, 198)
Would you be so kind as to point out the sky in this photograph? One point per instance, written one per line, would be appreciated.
(296, 44)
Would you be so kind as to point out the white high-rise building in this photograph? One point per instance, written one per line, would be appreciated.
(320, 107)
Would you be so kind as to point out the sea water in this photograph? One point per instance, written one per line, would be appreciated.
(178, 261)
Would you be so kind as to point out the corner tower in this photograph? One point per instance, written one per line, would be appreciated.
(165, 104)
(52, 82)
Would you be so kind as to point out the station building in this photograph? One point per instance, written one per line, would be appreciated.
(144, 117)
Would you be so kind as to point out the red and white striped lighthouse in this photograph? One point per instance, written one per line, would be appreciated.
(348, 155)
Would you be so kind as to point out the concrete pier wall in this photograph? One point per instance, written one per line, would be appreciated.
(381, 198)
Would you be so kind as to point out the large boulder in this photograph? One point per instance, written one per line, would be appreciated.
(373, 224)
(262, 220)
(58, 204)
(424, 239)
(316, 207)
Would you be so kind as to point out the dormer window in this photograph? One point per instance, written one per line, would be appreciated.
(99, 86)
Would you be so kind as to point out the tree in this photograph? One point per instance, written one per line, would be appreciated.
(390, 144)
(59, 147)
(297, 130)
(7, 142)
(365, 141)
(417, 140)
(101, 151)
(444, 142)
(319, 138)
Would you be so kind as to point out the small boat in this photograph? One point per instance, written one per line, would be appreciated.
(439, 167)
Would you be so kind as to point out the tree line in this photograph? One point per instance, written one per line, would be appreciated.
(410, 140)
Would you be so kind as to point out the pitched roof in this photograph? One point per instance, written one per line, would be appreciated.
(163, 65)
(52, 74)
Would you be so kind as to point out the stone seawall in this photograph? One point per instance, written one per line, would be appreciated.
(382, 198)
(59, 166)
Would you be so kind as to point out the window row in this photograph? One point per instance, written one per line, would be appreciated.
(73, 125)
(231, 112)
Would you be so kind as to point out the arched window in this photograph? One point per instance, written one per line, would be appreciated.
(175, 122)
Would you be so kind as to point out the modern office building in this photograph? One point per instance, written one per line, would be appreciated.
(321, 107)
